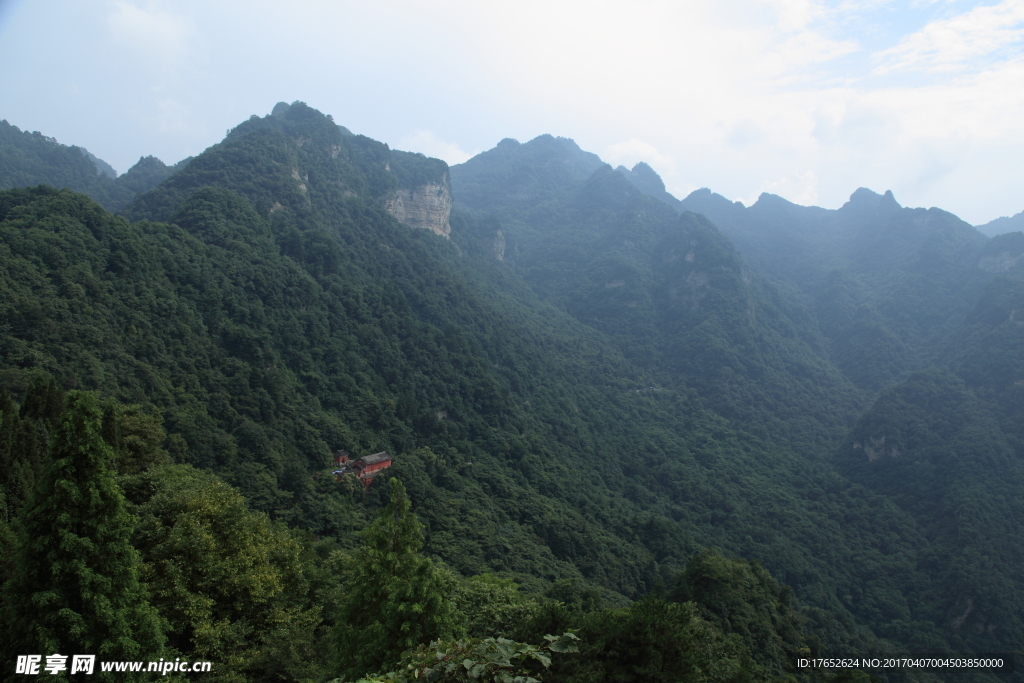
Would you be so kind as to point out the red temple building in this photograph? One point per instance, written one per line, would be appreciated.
(365, 468)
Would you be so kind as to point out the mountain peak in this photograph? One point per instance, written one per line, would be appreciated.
(767, 199)
(609, 188)
(865, 200)
(647, 179)
(705, 197)
(549, 141)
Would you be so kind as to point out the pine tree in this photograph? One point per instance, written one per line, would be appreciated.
(75, 588)
(8, 427)
(396, 599)
(25, 438)
(43, 401)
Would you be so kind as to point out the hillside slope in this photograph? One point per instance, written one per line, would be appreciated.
(670, 290)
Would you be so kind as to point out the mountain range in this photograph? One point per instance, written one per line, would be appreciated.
(583, 380)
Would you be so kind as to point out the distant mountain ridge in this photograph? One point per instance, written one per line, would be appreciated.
(846, 262)
(35, 159)
(1000, 226)
(855, 262)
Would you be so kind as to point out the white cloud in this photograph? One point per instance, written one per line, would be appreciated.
(151, 30)
(426, 142)
(794, 15)
(803, 50)
(961, 42)
(632, 151)
(745, 133)
(986, 106)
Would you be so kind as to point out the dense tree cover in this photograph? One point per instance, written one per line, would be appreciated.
(34, 159)
(126, 347)
(672, 292)
(888, 284)
(898, 289)
(231, 586)
(297, 166)
(178, 566)
(948, 449)
(413, 169)
(395, 598)
(987, 352)
(887, 290)
(74, 587)
(741, 597)
(931, 446)
(226, 585)
(658, 641)
(549, 433)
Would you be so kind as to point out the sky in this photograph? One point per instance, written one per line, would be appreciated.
(805, 99)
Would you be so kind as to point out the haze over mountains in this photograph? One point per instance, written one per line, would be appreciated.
(580, 376)
(1003, 225)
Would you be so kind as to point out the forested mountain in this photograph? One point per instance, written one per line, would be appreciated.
(34, 159)
(887, 284)
(900, 290)
(671, 291)
(582, 390)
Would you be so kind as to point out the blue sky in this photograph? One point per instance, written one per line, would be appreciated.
(805, 99)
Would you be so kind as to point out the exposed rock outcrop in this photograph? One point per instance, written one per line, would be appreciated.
(875, 448)
(1000, 263)
(425, 206)
(499, 245)
(1002, 253)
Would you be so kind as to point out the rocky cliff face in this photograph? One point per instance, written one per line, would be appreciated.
(499, 245)
(425, 206)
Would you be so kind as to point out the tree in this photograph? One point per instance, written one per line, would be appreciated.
(654, 641)
(135, 434)
(75, 588)
(25, 439)
(494, 606)
(396, 599)
(8, 427)
(740, 597)
(230, 583)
